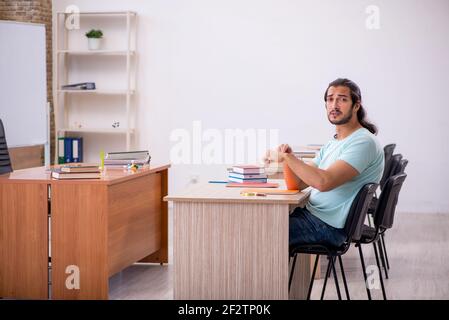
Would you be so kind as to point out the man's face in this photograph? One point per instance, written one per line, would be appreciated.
(339, 105)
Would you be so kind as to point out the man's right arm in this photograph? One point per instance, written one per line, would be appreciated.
(337, 174)
(285, 148)
(302, 185)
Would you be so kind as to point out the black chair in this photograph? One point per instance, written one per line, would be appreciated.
(5, 161)
(388, 154)
(353, 230)
(403, 164)
(383, 220)
(389, 170)
(388, 163)
(397, 166)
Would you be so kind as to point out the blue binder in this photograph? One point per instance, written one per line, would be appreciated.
(68, 150)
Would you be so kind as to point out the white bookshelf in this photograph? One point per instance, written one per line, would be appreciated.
(113, 69)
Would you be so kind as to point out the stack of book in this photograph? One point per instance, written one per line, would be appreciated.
(120, 159)
(309, 151)
(77, 172)
(248, 174)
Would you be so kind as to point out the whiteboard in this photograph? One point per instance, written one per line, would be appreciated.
(23, 84)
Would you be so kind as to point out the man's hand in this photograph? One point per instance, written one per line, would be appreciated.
(278, 155)
(284, 148)
(270, 157)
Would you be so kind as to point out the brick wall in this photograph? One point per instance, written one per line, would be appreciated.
(36, 11)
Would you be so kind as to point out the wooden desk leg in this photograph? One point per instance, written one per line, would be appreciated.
(301, 277)
(79, 238)
(230, 251)
(161, 256)
(23, 241)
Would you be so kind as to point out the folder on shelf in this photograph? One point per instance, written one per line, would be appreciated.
(61, 148)
(80, 86)
(77, 149)
(68, 150)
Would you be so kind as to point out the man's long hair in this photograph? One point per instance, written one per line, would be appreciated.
(356, 96)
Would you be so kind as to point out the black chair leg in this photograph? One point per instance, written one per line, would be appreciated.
(344, 277)
(385, 250)
(380, 271)
(364, 271)
(328, 271)
(382, 259)
(291, 272)
(309, 293)
(337, 286)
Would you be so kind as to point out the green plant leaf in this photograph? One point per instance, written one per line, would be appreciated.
(94, 34)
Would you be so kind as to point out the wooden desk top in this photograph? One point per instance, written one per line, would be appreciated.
(109, 176)
(217, 192)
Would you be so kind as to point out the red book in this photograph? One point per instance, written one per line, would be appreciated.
(252, 185)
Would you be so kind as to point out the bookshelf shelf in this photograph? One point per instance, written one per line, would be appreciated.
(97, 52)
(96, 109)
(103, 14)
(99, 92)
(98, 130)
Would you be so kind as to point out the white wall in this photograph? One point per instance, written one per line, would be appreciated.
(265, 64)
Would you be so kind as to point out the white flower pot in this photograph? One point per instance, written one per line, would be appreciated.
(94, 43)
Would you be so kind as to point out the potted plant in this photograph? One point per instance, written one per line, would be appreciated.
(94, 39)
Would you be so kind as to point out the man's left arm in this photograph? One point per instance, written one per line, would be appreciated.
(337, 174)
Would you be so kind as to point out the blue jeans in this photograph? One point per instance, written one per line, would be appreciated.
(305, 228)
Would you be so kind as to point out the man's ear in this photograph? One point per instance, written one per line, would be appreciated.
(357, 106)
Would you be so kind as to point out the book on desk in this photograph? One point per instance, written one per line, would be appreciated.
(120, 159)
(247, 174)
(80, 168)
(76, 172)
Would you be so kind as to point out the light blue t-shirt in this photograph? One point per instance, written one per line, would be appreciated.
(363, 152)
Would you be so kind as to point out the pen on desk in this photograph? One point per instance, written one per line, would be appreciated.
(252, 194)
(216, 181)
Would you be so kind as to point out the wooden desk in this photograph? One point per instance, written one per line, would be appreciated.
(227, 246)
(101, 226)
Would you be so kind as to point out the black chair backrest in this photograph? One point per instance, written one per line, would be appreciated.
(388, 153)
(384, 217)
(393, 169)
(5, 161)
(401, 167)
(358, 211)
